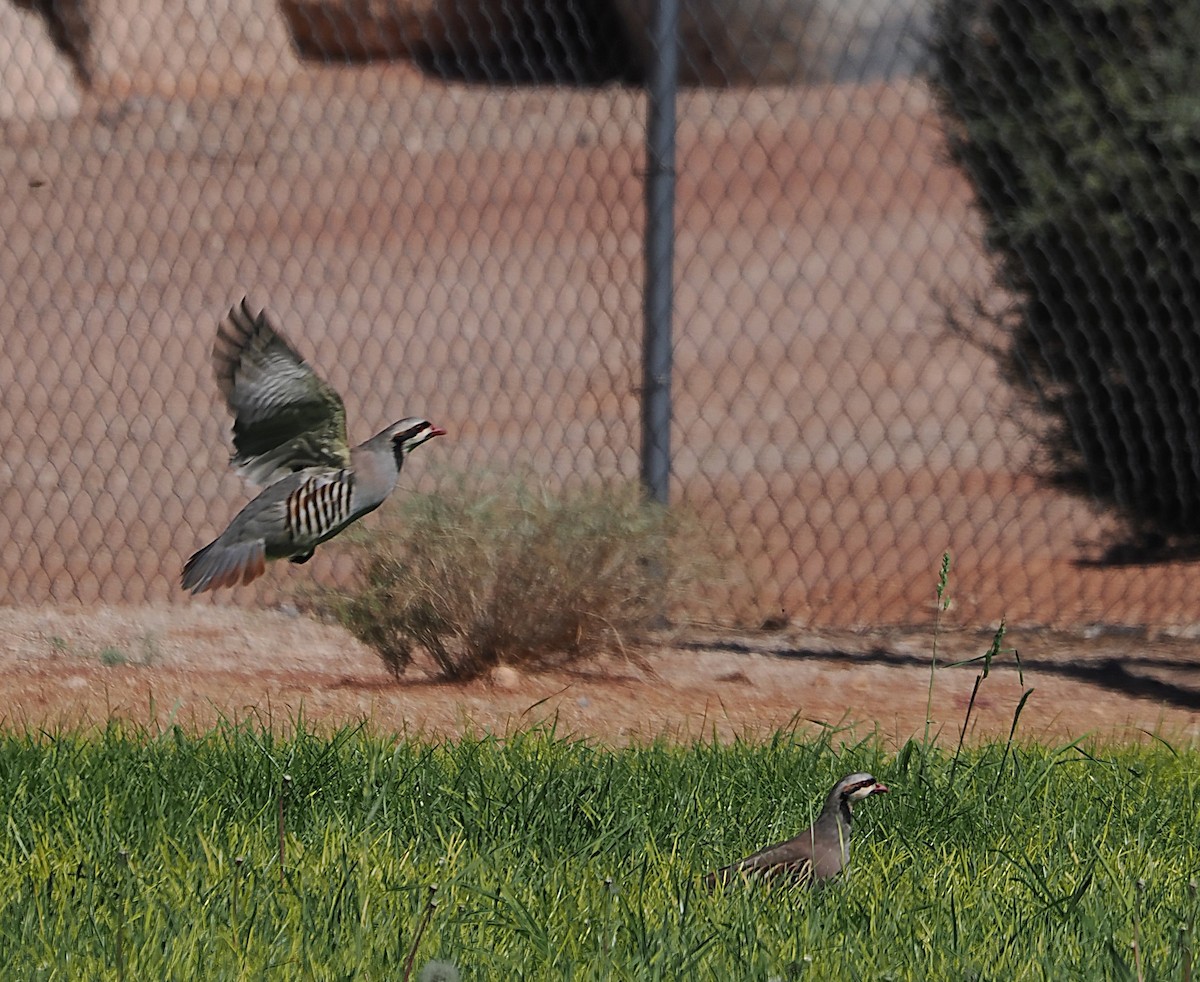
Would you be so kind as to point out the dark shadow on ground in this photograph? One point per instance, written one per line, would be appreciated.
(1108, 673)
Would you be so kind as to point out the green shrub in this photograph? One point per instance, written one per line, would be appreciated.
(478, 575)
(1076, 123)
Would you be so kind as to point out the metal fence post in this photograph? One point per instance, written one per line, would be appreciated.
(660, 242)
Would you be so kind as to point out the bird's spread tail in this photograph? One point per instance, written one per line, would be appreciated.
(221, 564)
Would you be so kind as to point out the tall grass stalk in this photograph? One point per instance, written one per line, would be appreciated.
(426, 916)
(1139, 890)
(122, 901)
(1188, 932)
(285, 782)
(1012, 733)
(993, 651)
(943, 602)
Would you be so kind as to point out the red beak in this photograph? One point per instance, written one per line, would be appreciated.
(436, 431)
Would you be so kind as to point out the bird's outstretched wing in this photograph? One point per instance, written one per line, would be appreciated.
(285, 417)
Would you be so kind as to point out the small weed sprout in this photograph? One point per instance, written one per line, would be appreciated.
(149, 649)
(112, 656)
(509, 572)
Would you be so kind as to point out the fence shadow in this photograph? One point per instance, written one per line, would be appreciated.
(1110, 673)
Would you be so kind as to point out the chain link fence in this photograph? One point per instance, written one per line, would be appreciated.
(442, 205)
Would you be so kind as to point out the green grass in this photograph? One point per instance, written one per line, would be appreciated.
(140, 856)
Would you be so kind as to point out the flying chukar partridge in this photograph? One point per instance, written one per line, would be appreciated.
(289, 435)
(819, 852)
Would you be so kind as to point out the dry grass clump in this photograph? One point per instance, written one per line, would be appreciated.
(481, 574)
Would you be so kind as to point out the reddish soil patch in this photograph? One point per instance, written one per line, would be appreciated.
(158, 666)
(475, 255)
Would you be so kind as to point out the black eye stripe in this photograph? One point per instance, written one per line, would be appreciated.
(410, 433)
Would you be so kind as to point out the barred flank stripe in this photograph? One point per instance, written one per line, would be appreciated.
(318, 507)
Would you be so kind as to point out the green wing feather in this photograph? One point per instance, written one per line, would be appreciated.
(285, 418)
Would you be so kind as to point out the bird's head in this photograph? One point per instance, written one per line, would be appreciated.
(409, 434)
(856, 787)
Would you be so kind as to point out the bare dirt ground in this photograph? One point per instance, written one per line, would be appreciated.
(475, 255)
(161, 666)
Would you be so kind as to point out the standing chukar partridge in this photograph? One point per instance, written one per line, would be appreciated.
(819, 852)
(289, 435)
